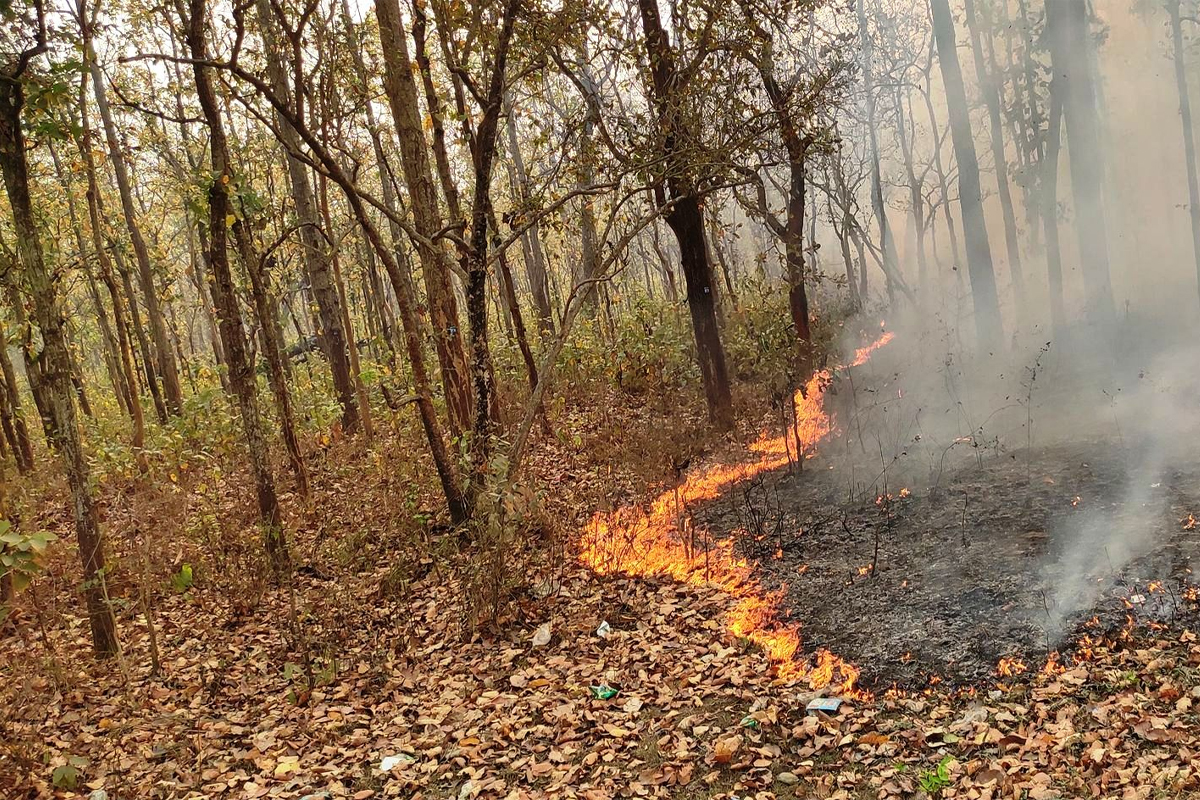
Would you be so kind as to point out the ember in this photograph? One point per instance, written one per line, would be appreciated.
(1011, 667)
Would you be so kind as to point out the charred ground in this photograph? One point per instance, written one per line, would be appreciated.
(943, 582)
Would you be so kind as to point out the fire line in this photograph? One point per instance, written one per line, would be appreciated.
(654, 540)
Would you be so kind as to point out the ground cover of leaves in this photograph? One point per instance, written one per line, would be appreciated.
(697, 715)
(409, 701)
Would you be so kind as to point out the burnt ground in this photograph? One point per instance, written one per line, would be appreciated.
(1009, 555)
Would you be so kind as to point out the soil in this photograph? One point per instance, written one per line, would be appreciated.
(1007, 556)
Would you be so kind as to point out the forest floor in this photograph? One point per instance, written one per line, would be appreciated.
(400, 696)
(1016, 556)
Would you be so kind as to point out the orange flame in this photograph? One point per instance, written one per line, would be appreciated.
(654, 540)
(1011, 667)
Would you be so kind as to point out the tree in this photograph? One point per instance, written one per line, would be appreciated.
(1174, 14)
(979, 252)
(316, 254)
(51, 367)
(988, 84)
(167, 370)
(685, 217)
(1067, 31)
(221, 218)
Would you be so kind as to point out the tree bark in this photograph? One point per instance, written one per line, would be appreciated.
(988, 326)
(52, 368)
(233, 335)
(686, 219)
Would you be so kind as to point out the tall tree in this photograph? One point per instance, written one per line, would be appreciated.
(1067, 27)
(979, 251)
(989, 86)
(233, 335)
(1178, 55)
(317, 258)
(685, 216)
(167, 369)
(401, 87)
(51, 368)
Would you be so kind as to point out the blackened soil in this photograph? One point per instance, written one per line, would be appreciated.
(1011, 556)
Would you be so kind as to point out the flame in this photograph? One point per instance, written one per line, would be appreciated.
(1188, 523)
(654, 540)
(1011, 667)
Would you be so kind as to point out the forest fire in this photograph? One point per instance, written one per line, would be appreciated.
(654, 540)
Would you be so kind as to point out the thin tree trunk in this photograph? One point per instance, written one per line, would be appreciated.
(23, 449)
(233, 335)
(52, 368)
(1067, 30)
(686, 220)
(1049, 210)
(991, 97)
(315, 251)
(401, 90)
(164, 357)
(988, 325)
(891, 260)
(531, 240)
(1189, 136)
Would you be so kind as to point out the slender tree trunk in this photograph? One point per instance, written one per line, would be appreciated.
(360, 388)
(1185, 117)
(1049, 210)
(23, 449)
(52, 368)
(316, 253)
(979, 252)
(891, 260)
(135, 318)
(916, 200)
(686, 219)
(233, 335)
(531, 241)
(272, 348)
(1067, 30)
(164, 357)
(991, 96)
(401, 90)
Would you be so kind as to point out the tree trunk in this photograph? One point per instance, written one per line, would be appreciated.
(686, 219)
(1067, 29)
(988, 325)
(531, 241)
(1185, 117)
(23, 448)
(316, 253)
(52, 369)
(233, 335)
(164, 357)
(1049, 209)
(135, 320)
(916, 200)
(991, 97)
(401, 89)
(891, 260)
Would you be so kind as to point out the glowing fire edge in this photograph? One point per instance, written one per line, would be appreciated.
(643, 541)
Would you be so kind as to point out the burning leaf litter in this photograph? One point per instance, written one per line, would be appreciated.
(655, 541)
